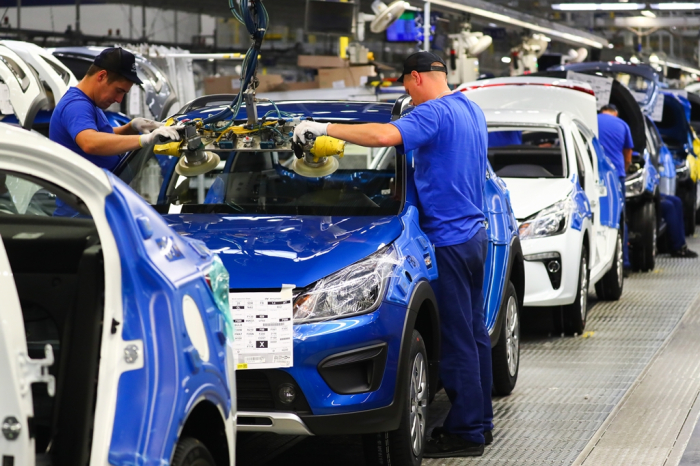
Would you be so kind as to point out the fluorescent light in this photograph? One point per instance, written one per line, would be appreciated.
(619, 59)
(598, 6)
(572, 37)
(610, 46)
(634, 59)
(648, 14)
(675, 6)
(505, 59)
(492, 25)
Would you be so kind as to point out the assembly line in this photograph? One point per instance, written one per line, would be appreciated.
(440, 266)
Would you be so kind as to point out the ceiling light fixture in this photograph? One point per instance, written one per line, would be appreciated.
(564, 33)
(675, 6)
(598, 6)
(648, 14)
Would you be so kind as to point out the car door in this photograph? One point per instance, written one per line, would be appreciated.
(20, 89)
(588, 181)
(16, 408)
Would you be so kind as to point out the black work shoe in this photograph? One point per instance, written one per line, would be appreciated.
(438, 431)
(684, 253)
(451, 446)
(626, 271)
(488, 437)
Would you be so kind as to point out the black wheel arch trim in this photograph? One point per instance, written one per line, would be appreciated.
(516, 254)
(388, 418)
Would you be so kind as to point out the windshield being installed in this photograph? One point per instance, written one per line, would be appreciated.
(535, 153)
(369, 182)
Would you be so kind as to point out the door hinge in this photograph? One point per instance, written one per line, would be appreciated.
(36, 371)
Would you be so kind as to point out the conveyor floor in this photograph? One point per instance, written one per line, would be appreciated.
(623, 393)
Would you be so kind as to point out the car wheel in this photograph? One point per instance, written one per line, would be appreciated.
(192, 452)
(405, 445)
(643, 249)
(505, 356)
(610, 286)
(574, 314)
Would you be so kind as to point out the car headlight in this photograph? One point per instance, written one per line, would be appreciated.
(548, 222)
(218, 280)
(356, 289)
(634, 184)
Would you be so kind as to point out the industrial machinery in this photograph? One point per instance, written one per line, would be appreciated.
(382, 18)
(463, 65)
(524, 56)
(273, 131)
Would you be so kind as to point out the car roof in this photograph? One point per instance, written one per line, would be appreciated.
(530, 117)
(87, 52)
(642, 69)
(340, 111)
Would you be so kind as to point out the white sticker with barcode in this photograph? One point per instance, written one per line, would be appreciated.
(264, 328)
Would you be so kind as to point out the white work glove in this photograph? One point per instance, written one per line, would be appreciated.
(144, 125)
(317, 129)
(168, 132)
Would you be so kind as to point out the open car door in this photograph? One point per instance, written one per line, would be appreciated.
(20, 89)
(16, 374)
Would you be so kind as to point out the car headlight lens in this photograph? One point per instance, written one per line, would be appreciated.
(548, 222)
(218, 279)
(356, 289)
(634, 184)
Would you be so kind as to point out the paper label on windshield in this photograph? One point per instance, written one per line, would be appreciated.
(658, 113)
(601, 86)
(263, 335)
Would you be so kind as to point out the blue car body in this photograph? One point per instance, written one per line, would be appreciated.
(266, 251)
(144, 356)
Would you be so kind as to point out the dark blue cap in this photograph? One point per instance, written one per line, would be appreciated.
(119, 61)
(422, 62)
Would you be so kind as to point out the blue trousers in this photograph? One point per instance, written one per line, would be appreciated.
(465, 364)
(672, 213)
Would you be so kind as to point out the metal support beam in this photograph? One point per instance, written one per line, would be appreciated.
(143, 21)
(19, 14)
(426, 27)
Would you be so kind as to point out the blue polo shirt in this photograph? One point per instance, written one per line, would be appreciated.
(615, 136)
(449, 139)
(74, 113)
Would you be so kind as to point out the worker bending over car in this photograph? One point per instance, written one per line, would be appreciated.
(79, 123)
(448, 136)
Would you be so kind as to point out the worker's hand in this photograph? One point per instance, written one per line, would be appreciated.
(168, 132)
(144, 125)
(316, 129)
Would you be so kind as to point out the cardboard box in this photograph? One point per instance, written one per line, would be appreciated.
(302, 86)
(320, 61)
(338, 78)
(231, 84)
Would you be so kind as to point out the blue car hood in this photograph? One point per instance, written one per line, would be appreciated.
(269, 251)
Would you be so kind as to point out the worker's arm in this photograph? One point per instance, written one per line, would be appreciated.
(95, 143)
(368, 135)
(125, 130)
(628, 158)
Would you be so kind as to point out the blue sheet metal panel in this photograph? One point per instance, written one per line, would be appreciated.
(611, 204)
(583, 206)
(359, 112)
(315, 341)
(651, 180)
(284, 249)
(153, 402)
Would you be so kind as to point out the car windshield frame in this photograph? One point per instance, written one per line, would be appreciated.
(339, 194)
(531, 128)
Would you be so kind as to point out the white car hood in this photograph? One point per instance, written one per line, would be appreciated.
(530, 195)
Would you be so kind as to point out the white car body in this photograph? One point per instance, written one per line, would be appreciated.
(27, 94)
(569, 108)
(31, 155)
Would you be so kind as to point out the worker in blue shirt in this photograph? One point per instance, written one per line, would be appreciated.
(78, 122)
(448, 136)
(616, 138)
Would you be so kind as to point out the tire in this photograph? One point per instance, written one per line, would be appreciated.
(610, 286)
(505, 356)
(405, 445)
(192, 452)
(689, 212)
(643, 249)
(574, 315)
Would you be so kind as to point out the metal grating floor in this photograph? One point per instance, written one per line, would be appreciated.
(567, 387)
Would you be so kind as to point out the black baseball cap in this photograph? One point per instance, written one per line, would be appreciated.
(119, 61)
(422, 62)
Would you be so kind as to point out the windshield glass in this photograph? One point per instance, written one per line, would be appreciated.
(368, 182)
(532, 153)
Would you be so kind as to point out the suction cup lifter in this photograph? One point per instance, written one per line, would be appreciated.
(315, 159)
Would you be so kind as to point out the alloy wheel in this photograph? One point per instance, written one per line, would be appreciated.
(418, 403)
(512, 335)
